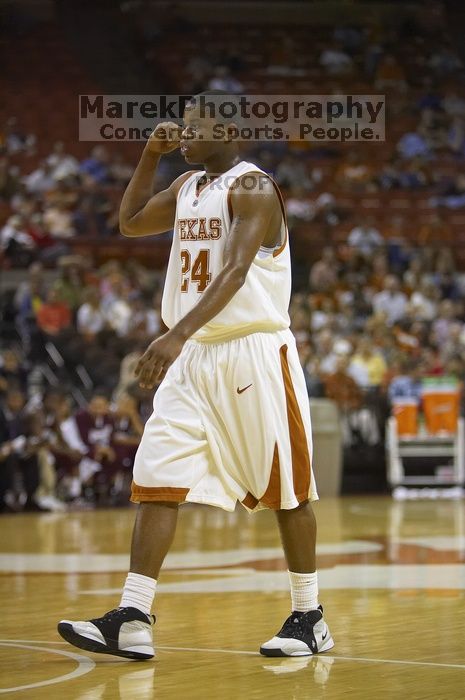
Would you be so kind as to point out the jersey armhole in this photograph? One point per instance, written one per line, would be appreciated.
(188, 175)
(280, 246)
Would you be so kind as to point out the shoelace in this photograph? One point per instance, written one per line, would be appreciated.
(293, 624)
(297, 625)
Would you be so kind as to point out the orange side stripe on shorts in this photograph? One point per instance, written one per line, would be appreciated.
(272, 495)
(299, 447)
(250, 501)
(157, 493)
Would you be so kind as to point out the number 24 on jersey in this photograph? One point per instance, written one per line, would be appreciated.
(197, 271)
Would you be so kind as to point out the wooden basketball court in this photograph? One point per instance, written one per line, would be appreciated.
(392, 579)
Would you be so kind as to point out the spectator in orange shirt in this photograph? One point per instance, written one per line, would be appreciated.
(53, 316)
(342, 388)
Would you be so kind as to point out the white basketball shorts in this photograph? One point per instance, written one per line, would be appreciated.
(231, 422)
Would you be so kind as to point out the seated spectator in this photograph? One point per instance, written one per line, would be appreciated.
(21, 438)
(407, 383)
(90, 432)
(354, 175)
(341, 348)
(365, 237)
(94, 210)
(96, 165)
(224, 81)
(120, 171)
(324, 316)
(71, 281)
(40, 180)
(432, 128)
(90, 317)
(335, 60)
(446, 318)
(414, 276)
(54, 315)
(391, 300)
(298, 207)
(357, 422)
(117, 310)
(58, 220)
(128, 429)
(445, 61)
(62, 164)
(323, 274)
(413, 145)
(424, 301)
(15, 139)
(341, 387)
(15, 242)
(144, 322)
(370, 360)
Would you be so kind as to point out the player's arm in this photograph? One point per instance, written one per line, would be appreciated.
(254, 211)
(142, 214)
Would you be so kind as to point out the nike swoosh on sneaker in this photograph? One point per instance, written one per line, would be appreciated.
(323, 636)
(240, 391)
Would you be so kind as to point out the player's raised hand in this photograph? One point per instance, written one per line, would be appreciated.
(164, 138)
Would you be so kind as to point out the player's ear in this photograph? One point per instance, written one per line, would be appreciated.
(231, 133)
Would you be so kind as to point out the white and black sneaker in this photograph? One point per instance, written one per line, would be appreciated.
(302, 634)
(123, 632)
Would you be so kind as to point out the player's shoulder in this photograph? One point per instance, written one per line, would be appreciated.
(251, 179)
(181, 180)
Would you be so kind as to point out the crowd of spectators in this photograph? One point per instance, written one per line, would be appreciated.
(71, 410)
(370, 325)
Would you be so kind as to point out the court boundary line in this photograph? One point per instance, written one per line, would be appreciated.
(322, 656)
(85, 664)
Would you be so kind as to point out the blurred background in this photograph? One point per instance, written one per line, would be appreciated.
(377, 230)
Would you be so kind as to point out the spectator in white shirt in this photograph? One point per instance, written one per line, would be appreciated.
(13, 234)
(336, 61)
(40, 180)
(424, 301)
(365, 237)
(90, 317)
(391, 300)
(62, 165)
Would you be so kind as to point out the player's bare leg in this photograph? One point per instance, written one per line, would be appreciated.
(152, 536)
(298, 535)
(304, 632)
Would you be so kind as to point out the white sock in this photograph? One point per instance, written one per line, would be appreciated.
(304, 591)
(138, 592)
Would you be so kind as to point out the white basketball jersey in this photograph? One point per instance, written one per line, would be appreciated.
(202, 226)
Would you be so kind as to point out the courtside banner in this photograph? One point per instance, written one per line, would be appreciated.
(268, 118)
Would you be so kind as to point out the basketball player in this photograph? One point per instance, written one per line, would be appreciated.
(231, 418)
